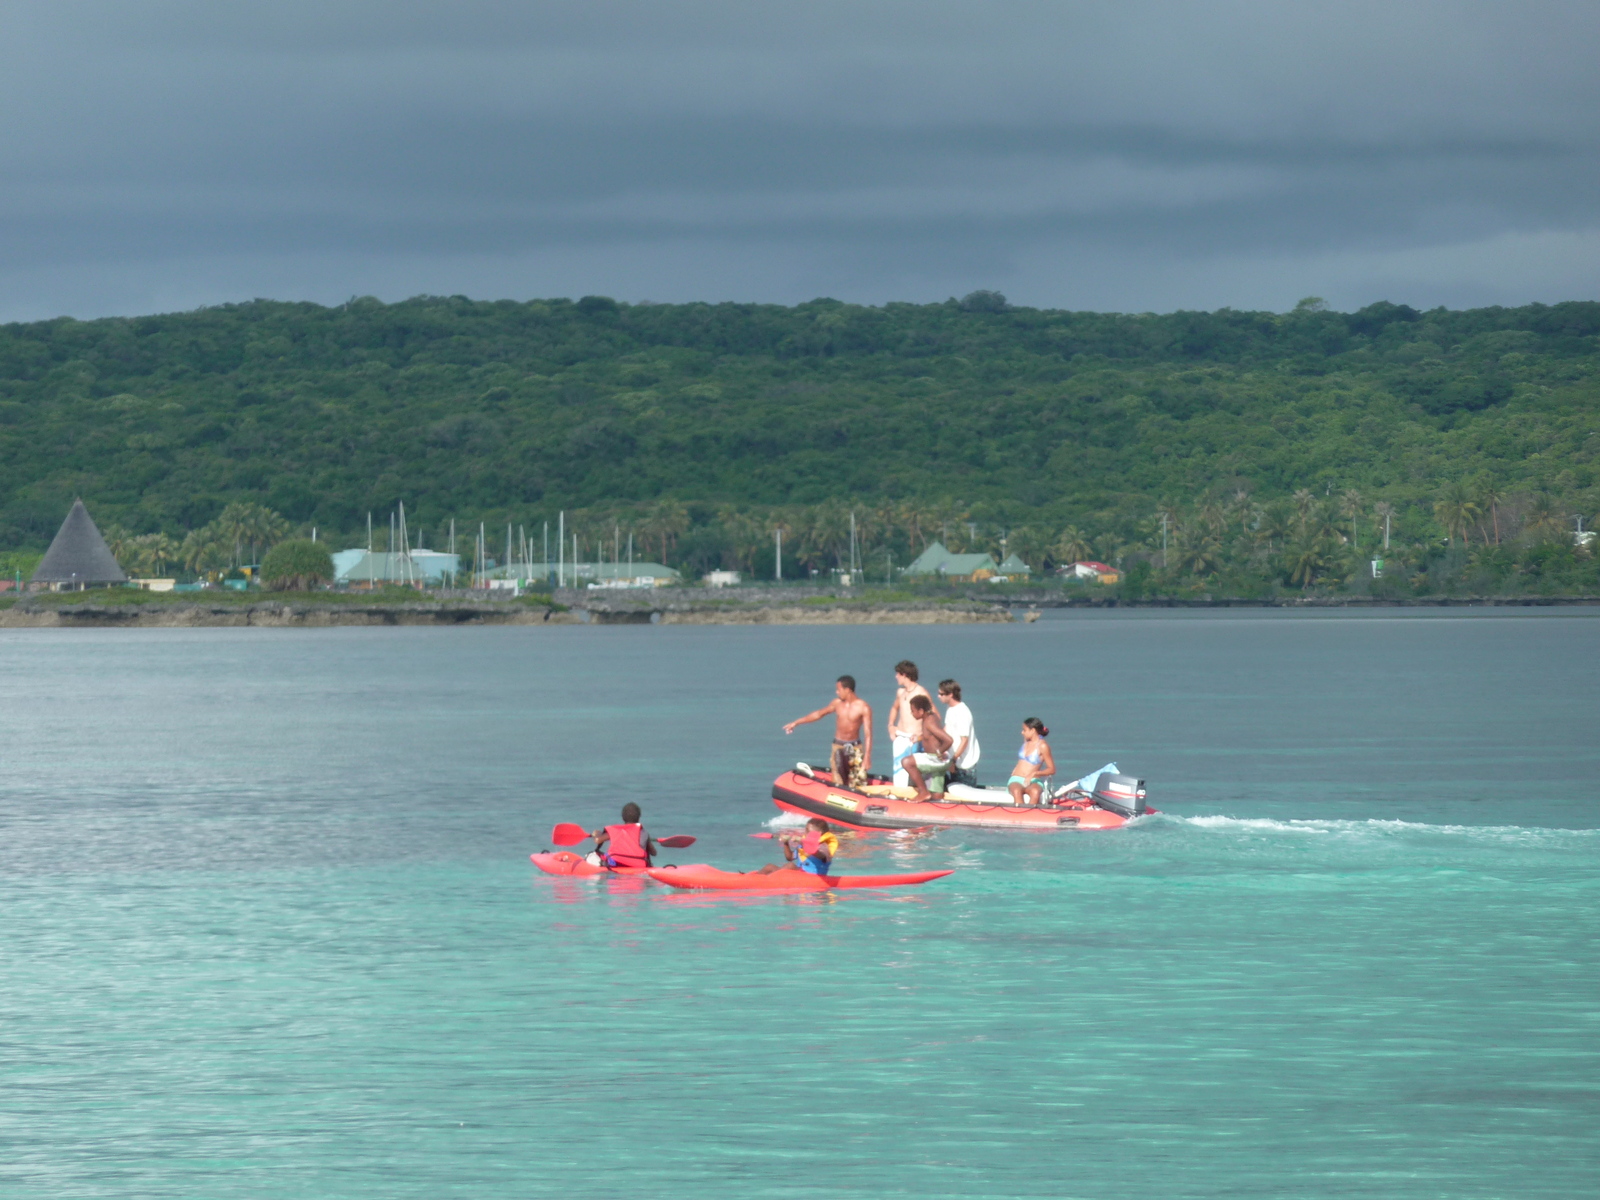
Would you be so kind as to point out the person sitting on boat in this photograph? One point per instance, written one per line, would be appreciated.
(928, 752)
(811, 852)
(1035, 764)
(624, 845)
(851, 756)
(958, 724)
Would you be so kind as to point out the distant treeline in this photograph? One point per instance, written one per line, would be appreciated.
(703, 425)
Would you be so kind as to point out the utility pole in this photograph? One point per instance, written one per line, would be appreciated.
(561, 549)
(778, 574)
(1163, 541)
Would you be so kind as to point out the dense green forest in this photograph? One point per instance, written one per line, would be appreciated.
(700, 427)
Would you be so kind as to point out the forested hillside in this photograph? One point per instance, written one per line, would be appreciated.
(700, 426)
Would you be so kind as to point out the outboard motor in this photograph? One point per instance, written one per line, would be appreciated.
(1122, 794)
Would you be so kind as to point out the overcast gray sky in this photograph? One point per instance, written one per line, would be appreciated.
(1138, 156)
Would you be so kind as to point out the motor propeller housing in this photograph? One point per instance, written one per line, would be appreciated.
(1122, 794)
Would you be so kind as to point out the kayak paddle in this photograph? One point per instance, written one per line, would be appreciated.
(568, 834)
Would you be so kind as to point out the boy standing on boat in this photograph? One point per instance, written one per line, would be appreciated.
(903, 727)
(851, 756)
(928, 752)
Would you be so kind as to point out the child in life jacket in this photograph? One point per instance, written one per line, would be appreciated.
(624, 845)
(812, 853)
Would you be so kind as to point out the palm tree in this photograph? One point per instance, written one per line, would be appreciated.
(1242, 508)
(1490, 496)
(1307, 559)
(1072, 545)
(1167, 520)
(203, 550)
(1546, 521)
(1201, 555)
(1274, 525)
(913, 518)
(149, 553)
(1304, 503)
(1384, 511)
(667, 522)
(1350, 505)
(828, 534)
(1456, 510)
(118, 541)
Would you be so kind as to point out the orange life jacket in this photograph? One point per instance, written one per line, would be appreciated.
(624, 846)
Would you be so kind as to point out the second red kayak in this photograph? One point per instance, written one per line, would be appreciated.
(700, 875)
(565, 862)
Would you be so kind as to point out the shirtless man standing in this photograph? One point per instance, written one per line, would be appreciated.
(903, 726)
(851, 757)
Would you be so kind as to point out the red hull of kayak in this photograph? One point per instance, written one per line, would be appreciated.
(702, 876)
(565, 862)
(819, 797)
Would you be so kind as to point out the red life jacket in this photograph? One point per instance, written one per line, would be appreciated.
(624, 847)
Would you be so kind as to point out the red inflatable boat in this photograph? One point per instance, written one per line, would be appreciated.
(565, 862)
(811, 792)
(699, 875)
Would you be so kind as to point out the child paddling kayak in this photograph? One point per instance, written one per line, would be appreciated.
(813, 853)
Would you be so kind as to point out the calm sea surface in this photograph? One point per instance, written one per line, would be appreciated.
(269, 929)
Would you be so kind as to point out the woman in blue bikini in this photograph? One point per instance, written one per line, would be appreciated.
(1035, 764)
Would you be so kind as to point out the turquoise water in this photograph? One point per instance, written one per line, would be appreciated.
(270, 929)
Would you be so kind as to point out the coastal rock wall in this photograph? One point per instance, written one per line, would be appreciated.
(271, 615)
(311, 615)
(806, 615)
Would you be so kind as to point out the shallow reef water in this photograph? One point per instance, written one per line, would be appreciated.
(270, 929)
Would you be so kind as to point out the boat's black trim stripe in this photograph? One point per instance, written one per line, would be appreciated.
(831, 812)
(864, 818)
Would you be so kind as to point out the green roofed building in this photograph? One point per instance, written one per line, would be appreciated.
(936, 560)
(1014, 566)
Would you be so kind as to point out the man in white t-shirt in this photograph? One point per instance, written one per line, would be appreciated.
(964, 738)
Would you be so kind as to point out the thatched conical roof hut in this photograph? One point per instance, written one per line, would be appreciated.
(79, 555)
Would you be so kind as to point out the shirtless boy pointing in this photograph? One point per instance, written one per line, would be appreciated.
(851, 758)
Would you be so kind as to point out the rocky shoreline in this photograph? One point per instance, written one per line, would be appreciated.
(676, 606)
(311, 614)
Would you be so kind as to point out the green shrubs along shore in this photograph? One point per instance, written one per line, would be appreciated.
(1276, 446)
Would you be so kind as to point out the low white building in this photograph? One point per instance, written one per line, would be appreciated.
(430, 567)
(722, 578)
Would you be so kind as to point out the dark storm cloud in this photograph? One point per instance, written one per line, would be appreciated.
(1136, 156)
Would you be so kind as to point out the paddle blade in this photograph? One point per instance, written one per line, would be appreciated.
(764, 835)
(568, 834)
(677, 841)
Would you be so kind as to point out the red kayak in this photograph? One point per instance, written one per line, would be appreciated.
(1116, 801)
(565, 862)
(699, 875)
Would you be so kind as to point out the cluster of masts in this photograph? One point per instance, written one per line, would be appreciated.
(518, 561)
